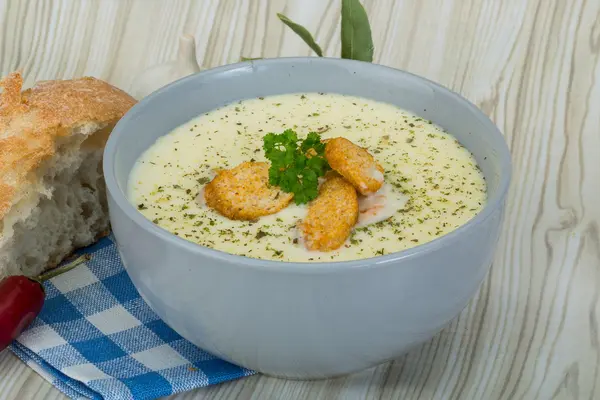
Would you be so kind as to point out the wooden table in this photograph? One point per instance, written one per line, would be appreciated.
(532, 332)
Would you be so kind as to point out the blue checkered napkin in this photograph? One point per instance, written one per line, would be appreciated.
(96, 338)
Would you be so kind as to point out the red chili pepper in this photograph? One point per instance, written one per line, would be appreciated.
(21, 300)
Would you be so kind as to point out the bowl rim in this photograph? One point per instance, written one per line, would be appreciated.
(120, 198)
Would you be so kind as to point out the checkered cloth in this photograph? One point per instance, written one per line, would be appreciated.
(96, 338)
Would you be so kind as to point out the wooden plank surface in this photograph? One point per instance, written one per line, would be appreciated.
(532, 65)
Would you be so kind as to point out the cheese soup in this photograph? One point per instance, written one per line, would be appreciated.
(432, 184)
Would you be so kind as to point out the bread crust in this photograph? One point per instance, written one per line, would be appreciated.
(32, 121)
(331, 216)
(244, 193)
(355, 164)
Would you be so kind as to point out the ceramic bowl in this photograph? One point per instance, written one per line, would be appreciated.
(305, 320)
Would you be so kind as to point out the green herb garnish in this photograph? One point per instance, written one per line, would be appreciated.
(303, 33)
(357, 43)
(296, 165)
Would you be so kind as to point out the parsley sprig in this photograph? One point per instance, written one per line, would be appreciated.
(296, 165)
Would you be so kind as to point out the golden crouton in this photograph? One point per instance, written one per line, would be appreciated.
(331, 215)
(243, 192)
(355, 164)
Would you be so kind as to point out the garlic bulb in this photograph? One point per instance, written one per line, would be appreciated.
(160, 75)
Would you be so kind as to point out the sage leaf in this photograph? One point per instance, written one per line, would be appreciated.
(303, 33)
(357, 43)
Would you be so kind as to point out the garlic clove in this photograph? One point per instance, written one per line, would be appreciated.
(160, 75)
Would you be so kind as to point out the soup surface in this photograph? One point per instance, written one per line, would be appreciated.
(432, 183)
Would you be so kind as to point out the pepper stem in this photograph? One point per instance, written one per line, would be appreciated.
(61, 270)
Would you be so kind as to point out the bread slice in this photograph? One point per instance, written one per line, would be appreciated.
(52, 192)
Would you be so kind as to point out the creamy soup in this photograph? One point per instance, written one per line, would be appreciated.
(432, 183)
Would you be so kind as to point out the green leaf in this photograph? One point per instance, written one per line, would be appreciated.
(291, 169)
(274, 175)
(303, 33)
(357, 43)
(312, 141)
(250, 58)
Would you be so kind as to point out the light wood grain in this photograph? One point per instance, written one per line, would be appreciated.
(532, 65)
